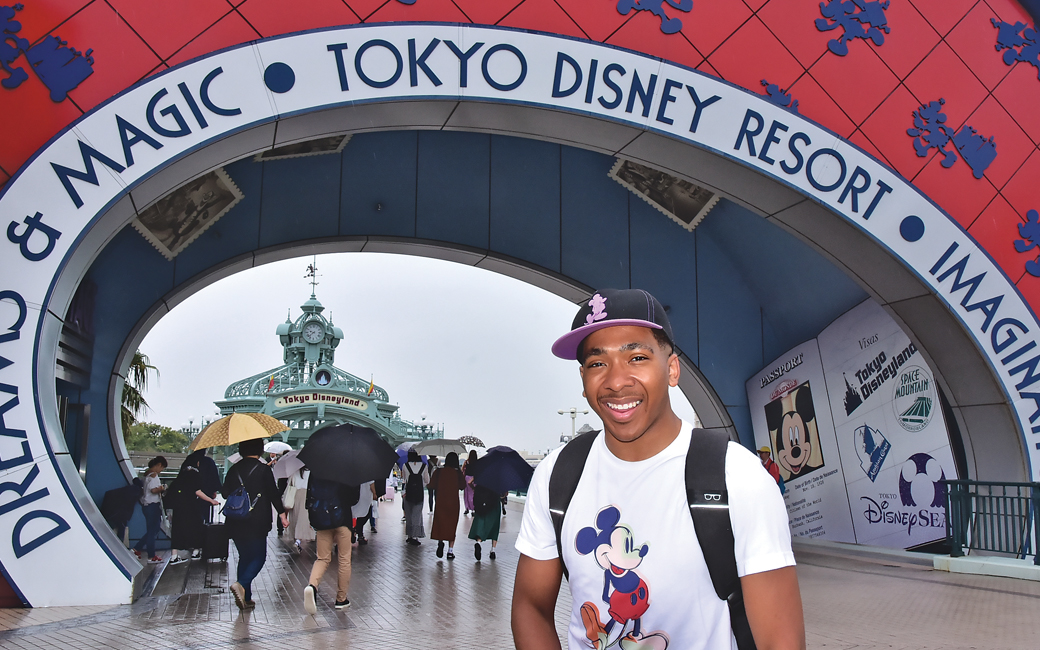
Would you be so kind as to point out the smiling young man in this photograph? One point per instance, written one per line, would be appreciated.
(637, 573)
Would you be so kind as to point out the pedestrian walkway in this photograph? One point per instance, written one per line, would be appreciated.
(404, 597)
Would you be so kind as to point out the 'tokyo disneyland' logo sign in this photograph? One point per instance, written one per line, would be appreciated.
(63, 205)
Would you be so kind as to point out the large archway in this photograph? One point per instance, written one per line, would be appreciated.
(782, 176)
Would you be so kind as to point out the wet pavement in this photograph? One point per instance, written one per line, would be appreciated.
(405, 597)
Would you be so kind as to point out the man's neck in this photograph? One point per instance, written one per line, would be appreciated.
(654, 440)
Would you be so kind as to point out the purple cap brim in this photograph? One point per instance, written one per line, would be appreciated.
(566, 347)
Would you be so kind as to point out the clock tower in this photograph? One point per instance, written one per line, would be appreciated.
(308, 391)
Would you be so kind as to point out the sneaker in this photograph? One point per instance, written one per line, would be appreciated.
(476, 551)
(342, 604)
(440, 549)
(491, 555)
(137, 553)
(353, 537)
(361, 540)
(178, 560)
(250, 604)
(239, 592)
(299, 546)
(374, 529)
(155, 559)
(196, 554)
(451, 555)
(309, 594)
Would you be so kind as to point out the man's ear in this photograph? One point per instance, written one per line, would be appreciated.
(673, 369)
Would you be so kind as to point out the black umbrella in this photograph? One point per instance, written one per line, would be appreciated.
(501, 469)
(348, 454)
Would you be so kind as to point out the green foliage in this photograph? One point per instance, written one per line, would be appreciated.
(133, 402)
(146, 436)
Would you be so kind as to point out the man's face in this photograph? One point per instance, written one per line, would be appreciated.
(626, 376)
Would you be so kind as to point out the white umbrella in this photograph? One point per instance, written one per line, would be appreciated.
(287, 465)
(234, 458)
(439, 447)
(277, 447)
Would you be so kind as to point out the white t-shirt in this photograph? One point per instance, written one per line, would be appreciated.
(149, 497)
(630, 520)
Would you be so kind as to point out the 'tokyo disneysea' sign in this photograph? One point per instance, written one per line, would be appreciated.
(47, 211)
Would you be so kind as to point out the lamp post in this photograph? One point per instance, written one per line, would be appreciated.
(573, 412)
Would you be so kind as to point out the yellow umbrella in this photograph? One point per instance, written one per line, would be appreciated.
(235, 428)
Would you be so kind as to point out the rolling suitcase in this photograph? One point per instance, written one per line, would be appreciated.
(216, 541)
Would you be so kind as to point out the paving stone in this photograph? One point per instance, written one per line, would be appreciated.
(403, 597)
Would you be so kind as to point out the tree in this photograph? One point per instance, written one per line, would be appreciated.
(148, 436)
(133, 402)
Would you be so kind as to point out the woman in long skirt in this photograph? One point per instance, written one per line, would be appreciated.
(486, 519)
(447, 481)
(467, 494)
(416, 478)
(299, 520)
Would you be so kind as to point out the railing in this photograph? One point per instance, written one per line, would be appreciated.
(996, 517)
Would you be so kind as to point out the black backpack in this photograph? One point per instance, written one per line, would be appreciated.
(413, 488)
(485, 500)
(324, 505)
(709, 506)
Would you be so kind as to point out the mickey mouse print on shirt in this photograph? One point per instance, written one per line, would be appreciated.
(625, 592)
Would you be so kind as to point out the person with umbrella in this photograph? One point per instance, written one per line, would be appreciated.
(340, 459)
(499, 471)
(329, 506)
(250, 532)
(416, 478)
(486, 520)
(275, 449)
(448, 481)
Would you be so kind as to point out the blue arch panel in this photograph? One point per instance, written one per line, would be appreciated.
(551, 206)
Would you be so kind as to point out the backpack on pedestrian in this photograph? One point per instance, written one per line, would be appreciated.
(707, 498)
(239, 503)
(485, 501)
(325, 504)
(413, 489)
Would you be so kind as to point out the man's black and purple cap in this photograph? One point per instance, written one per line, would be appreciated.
(612, 308)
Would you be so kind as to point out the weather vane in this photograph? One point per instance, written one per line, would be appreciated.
(312, 273)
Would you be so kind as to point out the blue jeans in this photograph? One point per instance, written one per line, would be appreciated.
(152, 518)
(252, 553)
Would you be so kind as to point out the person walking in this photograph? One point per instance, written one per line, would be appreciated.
(416, 478)
(486, 520)
(250, 532)
(190, 504)
(361, 511)
(329, 505)
(467, 494)
(299, 520)
(430, 488)
(448, 481)
(151, 507)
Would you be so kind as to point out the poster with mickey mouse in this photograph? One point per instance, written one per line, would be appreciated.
(792, 419)
(854, 422)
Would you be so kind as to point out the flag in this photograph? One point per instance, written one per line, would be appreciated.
(371, 386)
(270, 384)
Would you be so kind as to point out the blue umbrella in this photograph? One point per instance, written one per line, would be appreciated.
(501, 469)
(402, 453)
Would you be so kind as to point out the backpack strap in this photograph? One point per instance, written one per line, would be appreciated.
(564, 480)
(708, 499)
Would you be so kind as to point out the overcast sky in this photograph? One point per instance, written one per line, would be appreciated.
(466, 347)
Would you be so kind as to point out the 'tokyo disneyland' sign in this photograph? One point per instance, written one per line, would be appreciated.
(54, 205)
